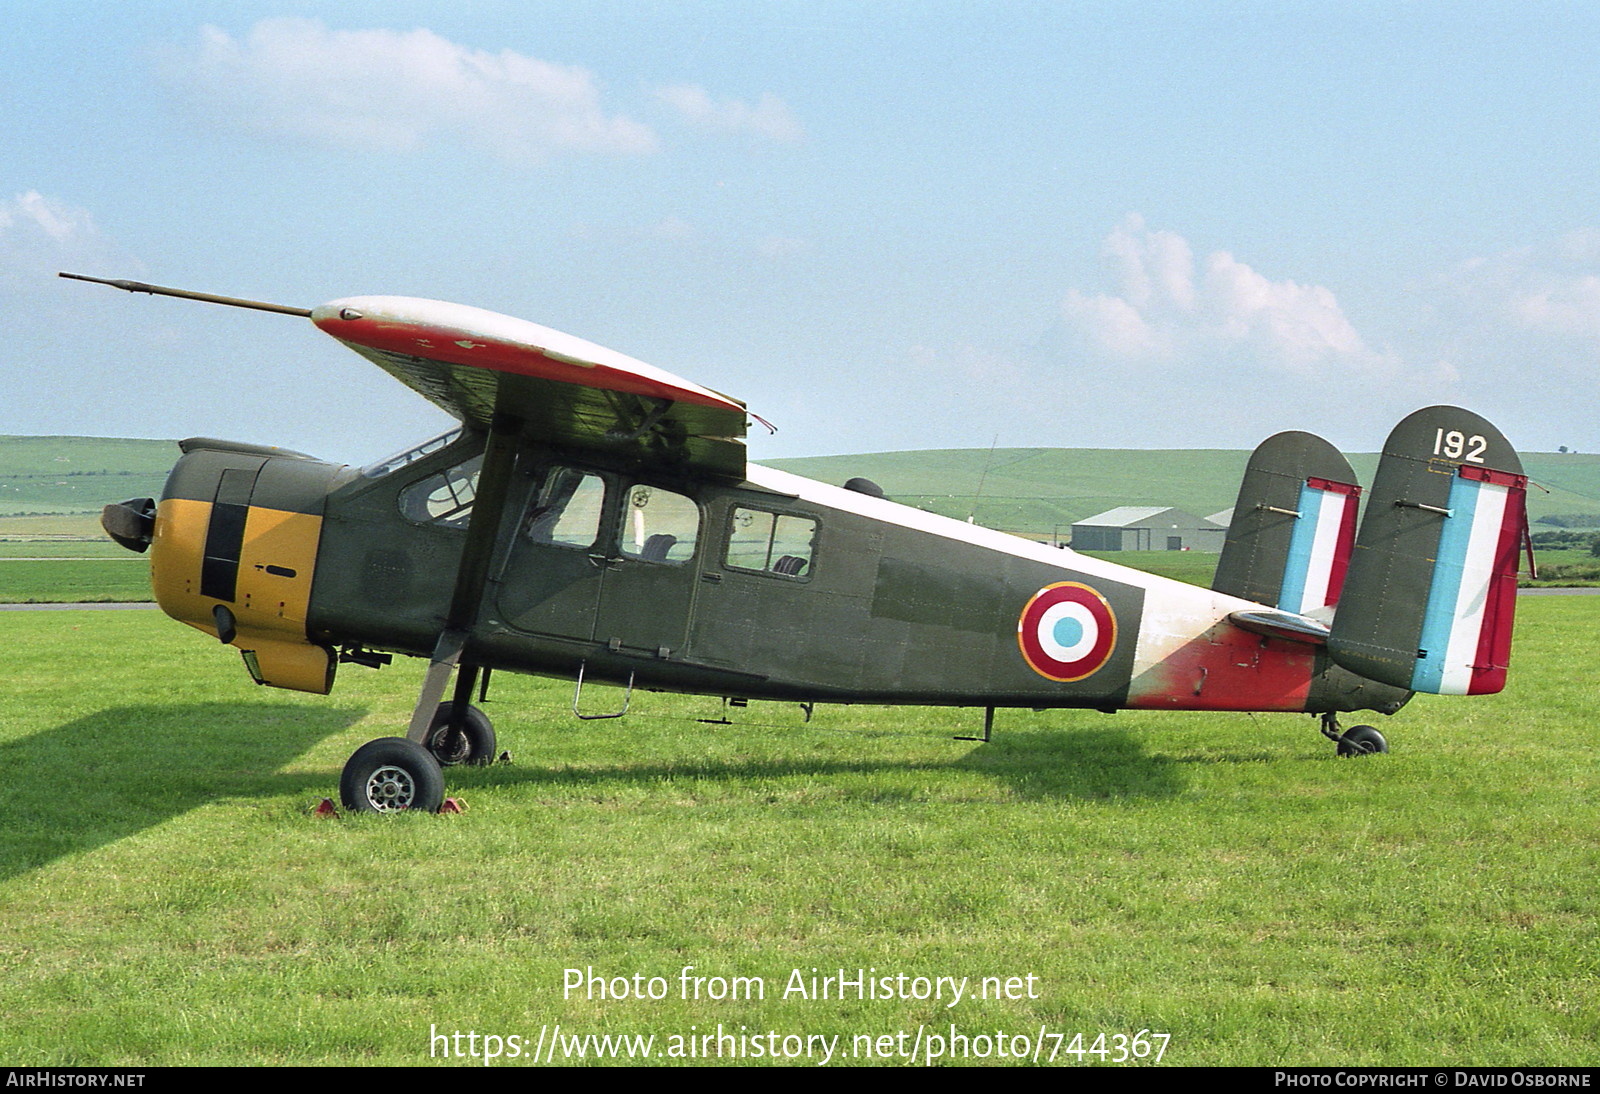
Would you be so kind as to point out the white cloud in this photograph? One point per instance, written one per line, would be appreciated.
(1114, 324)
(1165, 309)
(41, 235)
(33, 211)
(1568, 305)
(1550, 291)
(1151, 265)
(394, 91)
(769, 118)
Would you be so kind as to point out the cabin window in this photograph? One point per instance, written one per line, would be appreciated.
(567, 511)
(659, 526)
(773, 543)
(445, 498)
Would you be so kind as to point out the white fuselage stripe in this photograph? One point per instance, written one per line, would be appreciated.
(1175, 613)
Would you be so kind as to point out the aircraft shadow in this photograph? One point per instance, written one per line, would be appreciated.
(1092, 764)
(1080, 763)
(117, 772)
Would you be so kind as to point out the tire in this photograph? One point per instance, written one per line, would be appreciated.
(391, 775)
(473, 744)
(1362, 741)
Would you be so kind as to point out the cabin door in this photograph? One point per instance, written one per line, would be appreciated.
(648, 591)
(621, 574)
(550, 583)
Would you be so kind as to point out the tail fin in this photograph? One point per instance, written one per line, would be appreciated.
(1293, 526)
(1432, 585)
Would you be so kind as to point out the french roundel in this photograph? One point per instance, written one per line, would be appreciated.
(1067, 631)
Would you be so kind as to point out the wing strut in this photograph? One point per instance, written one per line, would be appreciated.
(483, 528)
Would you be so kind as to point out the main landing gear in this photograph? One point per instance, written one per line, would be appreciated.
(398, 773)
(393, 774)
(472, 743)
(1355, 741)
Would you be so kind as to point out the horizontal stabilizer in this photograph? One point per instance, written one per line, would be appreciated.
(1271, 623)
(1432, 586)
(1293, 526)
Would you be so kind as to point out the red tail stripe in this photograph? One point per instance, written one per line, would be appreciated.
(1333, 487)
(1497, 478)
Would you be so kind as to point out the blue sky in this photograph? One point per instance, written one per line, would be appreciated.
(883, 225)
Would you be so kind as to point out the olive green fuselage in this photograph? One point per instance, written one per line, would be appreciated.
(774, 587)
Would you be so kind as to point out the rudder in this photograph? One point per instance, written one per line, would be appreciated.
(1431, 590)
(1293, 526)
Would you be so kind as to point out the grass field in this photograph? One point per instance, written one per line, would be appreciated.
(52, 488)
(165, 899)
(67, 475)
(74, 580)
(1039, 492)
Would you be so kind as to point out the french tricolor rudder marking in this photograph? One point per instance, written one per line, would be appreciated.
(1466, 631)
(1320, 546)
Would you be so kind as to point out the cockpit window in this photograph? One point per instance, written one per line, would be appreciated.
(411, 455)
(567, 510)
(444, 499)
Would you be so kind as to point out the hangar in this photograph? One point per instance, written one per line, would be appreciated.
(1147, 528)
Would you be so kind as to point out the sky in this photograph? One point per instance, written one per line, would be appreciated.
(884, 226)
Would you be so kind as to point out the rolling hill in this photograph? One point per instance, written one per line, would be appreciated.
(59, 484)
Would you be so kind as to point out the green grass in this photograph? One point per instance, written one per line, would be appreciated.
(165, 899)
(1573, 566)
(65, 475)
(1040, 492)
(77, 580)
(100, 547)
(1195, 567)
(1033, 491)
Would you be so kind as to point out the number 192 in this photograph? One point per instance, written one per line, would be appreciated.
(1453, 444)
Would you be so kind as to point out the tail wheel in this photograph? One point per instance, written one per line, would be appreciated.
(1362, 741)
(473, 743)
(391, 775)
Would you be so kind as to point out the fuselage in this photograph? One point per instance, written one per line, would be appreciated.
(775, 587)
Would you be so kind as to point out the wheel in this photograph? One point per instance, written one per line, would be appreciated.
(1361, 741)
(472, 744)
(389, 775)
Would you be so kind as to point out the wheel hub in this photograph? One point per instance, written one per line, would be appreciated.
(451, 746)
(391, 789)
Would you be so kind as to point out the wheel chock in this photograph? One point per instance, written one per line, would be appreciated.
(453, 805)
(325, 808)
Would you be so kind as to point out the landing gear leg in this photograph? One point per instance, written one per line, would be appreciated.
(397, 773)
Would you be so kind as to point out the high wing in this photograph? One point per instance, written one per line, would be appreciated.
(565, 391)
